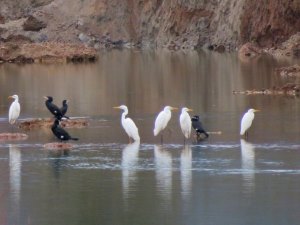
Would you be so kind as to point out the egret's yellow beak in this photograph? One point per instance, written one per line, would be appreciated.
(174, 108)
(116, 107)
(256, 110)
(189, 110)
(10, 97)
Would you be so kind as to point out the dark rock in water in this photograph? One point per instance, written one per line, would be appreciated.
(220, 48)
(33, 24)
(22, 59)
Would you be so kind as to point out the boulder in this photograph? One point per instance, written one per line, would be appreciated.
(33, 24)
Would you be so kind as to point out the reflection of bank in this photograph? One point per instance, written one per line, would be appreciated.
(163, 165)
(186, 171)
(248, 165)
(130, 156)
(15, 163)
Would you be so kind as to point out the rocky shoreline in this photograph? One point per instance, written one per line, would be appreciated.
(83, 27)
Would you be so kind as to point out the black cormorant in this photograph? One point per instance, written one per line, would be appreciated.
(53, 108)
(64, 108)
(60, 133)
(197, 125)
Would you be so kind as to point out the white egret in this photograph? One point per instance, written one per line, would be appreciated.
(185, 122)
(128, 124)
(14, 109)
(162, 120)
(246, 121)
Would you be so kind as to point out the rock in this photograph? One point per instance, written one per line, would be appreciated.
(249, 50)
(289, 48)
(19, 39)
(2, 19)
(58, 146)
(33, 24)
(84, 38)
(13, 136)
(290, 71)
(42, 38)
(289, 89)
(38, 123)
(40, 52)
(220, 48)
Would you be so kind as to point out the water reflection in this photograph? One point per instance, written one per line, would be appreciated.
(186, 174)
(130, 156)
(59, 161)
(163, 165)
(15, 163)
(186, 170)
(248, 165)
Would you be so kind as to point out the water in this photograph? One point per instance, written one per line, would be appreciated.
(103, 180)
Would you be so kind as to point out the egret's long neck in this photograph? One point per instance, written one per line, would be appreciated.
(168, 111)
(16, 100)
(124, 114)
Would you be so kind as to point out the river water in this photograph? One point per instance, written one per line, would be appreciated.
(105, 180)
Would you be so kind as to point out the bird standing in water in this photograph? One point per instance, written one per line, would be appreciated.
(14, 109)
(53, 108)
(128, 124)
(60, 133)
(185, 122)
(64, 108)
(197, 125)
(246, 121)
(162, 120)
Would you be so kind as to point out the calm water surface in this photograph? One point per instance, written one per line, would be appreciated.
(104, 180)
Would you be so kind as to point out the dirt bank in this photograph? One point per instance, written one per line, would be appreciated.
(173, 24)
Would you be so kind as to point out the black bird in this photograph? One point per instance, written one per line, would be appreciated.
(64, 108)
(53, 108)
(60, 133)
(197, 125)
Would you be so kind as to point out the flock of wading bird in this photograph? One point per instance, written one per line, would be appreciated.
(161, 121)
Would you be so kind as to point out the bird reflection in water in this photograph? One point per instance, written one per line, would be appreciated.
(248, 165)
(163, 165)
(15, 164)
(186, 172)
(130, 157)
(59, 160)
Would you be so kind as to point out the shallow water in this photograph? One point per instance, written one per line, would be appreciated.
(104, 180)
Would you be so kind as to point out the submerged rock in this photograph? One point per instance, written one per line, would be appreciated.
(38, 123)
(289, 89)
(13, 136)
(58, 146)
